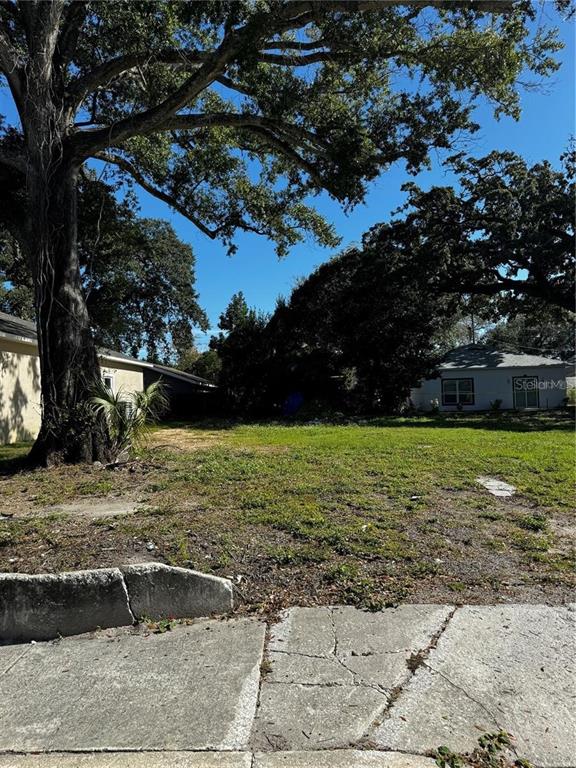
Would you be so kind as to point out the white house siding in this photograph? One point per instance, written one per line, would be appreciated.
(495, 384)
(20, 410)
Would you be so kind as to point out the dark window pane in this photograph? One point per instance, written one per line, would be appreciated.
(449, 385)
(466, 399)
(466, 385)
(450, 398)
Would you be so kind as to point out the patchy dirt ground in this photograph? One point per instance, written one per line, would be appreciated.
(313, 515)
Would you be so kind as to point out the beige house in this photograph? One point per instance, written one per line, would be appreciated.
(20, 406)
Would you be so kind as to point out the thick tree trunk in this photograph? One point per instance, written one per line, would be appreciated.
(69, 365)
(68, 360)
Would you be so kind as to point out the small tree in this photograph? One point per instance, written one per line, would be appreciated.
(243, 353)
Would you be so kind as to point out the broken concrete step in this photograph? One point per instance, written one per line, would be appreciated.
(45, 606)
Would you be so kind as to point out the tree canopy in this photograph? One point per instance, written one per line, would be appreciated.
(507, 232)
(545, 331)
(355, 335)
(138, 277)
(186, 99)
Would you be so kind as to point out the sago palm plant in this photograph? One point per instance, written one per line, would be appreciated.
(128, 414)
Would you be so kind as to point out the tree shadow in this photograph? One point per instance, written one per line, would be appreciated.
(13, 398)
(506, 421)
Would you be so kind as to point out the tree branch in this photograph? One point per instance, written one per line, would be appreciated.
(286, 149)
(533, 289)
(294, 60)
(229, 83)
(74, 18)
(246, 120)
(139, 178)
(80, 87)
(294, 45)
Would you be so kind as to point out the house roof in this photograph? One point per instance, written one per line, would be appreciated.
(166, 370)
(25, 330)
(15, 326)
(478, 356)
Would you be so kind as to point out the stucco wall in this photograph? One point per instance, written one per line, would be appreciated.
(20, 410)
(490, 385)
(126, 378)
(19, 392)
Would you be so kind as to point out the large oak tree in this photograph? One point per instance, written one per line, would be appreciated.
(233, 113)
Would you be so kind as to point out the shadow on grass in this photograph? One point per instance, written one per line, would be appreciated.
(14, 458)
(505, 421)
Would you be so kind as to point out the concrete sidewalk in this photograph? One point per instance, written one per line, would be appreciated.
(331, 688)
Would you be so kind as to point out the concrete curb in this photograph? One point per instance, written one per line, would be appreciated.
(44, 606)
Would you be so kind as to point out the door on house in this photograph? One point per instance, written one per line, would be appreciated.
(525, 391)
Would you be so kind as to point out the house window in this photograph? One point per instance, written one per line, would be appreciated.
(526, 394)
(108, 381)
(458, 392)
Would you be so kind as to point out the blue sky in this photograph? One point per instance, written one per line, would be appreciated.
(543, 132)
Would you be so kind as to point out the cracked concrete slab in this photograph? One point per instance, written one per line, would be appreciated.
(314, 716)
(495, 667)
(130, 760)
(332, 671)
(342, 758)
(195, 687)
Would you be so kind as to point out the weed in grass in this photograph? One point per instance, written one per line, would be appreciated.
(533, 522)
(298, 555)
(529, 542)
(341, 572)
(557, 562)
(95, 488)
(424, 568)
(157, 487)
(363, 593)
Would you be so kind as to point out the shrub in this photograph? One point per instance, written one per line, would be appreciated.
(128, 414)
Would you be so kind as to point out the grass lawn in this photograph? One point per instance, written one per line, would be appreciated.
(369, 514)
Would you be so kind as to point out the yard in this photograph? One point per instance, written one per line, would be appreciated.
(369, 513)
